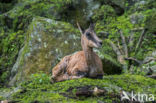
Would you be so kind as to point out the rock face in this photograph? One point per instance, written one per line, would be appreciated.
(47, 41)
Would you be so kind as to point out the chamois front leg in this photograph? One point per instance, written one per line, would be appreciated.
(67, 77)
(78, 74)
(75, 75)
(59, 69)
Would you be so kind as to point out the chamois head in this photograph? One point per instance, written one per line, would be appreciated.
(89, 37)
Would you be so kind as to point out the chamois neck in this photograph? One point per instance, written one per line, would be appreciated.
(88, 52)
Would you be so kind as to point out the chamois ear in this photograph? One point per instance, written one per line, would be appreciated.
(92, 26)
(79, 28)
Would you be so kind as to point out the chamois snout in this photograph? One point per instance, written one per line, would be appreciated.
(97, 41)
(99, 44)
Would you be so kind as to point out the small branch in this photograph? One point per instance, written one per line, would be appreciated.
(124, 43)
(151, 59)
(140, 41)
(133, 59)
(150, 72)
(120, 57)
(152, 76)
(88, 93)
(138, 29)
(115, 48)
(131, 37)
(120, 48)
(131, 40)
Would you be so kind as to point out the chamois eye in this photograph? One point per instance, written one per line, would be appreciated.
(87, 34)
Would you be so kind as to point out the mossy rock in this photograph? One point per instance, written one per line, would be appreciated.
(6, 5)
(65, 10)
(10, 44)
(39, 89)
(15, 19)
(46, 43)
(151, 22)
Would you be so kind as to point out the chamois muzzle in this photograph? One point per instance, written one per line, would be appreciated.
(100, 44)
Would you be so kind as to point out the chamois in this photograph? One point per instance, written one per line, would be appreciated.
(84, 63)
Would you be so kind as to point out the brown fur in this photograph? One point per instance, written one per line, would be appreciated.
(81, 64)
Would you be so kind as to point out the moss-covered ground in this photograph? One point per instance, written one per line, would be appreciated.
(39, 89)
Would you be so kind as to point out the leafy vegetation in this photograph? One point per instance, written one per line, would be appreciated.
(129, 38)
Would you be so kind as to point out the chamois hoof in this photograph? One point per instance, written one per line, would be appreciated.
(52, 80)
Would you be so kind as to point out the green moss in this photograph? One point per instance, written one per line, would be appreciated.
(151, 20)
(38, 88)
(1, 98)
(108, 24)
(4, 7)
(104, 13)
(9, 46)
(23, 14)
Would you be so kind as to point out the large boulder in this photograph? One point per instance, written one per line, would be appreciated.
(47, 42)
